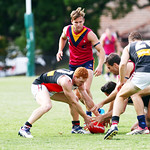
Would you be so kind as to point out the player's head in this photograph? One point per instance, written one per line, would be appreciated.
(108, 87)
(108, 30)
(77, 19)
(134, 36)
(112, 62)
(79, 12)
(80, 76)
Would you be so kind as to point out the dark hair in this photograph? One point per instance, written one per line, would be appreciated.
(112, 58)
(108, 87)
(134, 36)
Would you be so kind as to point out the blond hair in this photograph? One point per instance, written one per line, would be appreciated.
(79, 12)
(81, 72)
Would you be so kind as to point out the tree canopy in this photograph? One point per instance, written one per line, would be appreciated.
(50, 16)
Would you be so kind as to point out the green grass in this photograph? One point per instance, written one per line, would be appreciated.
(52, 131)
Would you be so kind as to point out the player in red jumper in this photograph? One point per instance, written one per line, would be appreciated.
(80, 40)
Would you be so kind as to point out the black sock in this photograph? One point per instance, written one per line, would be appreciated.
(75, 123)
(115, 120)
(28, 124)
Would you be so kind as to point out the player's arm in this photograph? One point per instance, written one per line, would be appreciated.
(129, 69)
(67, 89)
(108, 114)
(123, 68)
(105, 117)
(62, 43)
(96, 43)
(108, 99)
(123, 64)
(88, 101)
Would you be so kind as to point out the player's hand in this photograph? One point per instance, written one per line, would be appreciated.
(88, 121)
(98, 118)
(59, 55)
(98, 71)
(119, 86)
(107, 122)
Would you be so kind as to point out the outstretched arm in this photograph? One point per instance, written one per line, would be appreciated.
(88, 101)
(123, 64)
(62, 43)
(108, 99)
(67, 88)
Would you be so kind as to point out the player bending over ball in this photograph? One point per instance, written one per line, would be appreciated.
(57, 85)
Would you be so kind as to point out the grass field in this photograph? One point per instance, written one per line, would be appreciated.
(52, 131)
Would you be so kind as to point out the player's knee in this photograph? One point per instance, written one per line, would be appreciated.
(47, 107)
(121, 96)
(134, 97)
(123, 111)
(73, 103)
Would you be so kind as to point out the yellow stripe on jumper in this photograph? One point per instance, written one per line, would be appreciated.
(143, 52)
(76, 36)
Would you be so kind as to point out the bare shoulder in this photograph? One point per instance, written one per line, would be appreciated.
(64, 80)
(91, 34)
(127, 47)
(65, 28)
(64, 32)
(92, 37)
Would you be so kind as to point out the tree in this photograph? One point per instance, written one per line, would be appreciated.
(50, 16)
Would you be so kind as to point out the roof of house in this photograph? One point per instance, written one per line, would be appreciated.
(138, 19)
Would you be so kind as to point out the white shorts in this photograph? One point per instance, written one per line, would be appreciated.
(140, 79)
(36, 88)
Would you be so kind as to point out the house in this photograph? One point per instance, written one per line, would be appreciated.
(138, 19)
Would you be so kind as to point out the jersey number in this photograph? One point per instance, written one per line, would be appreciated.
(143, 49)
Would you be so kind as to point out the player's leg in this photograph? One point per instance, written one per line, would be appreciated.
(138, 104)
(139, 108)
(88, 86)
(89, 82)
(127, 90)
(62, 98)
(148, 116)
(142, 81)
(76, 128)
(42, 97)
